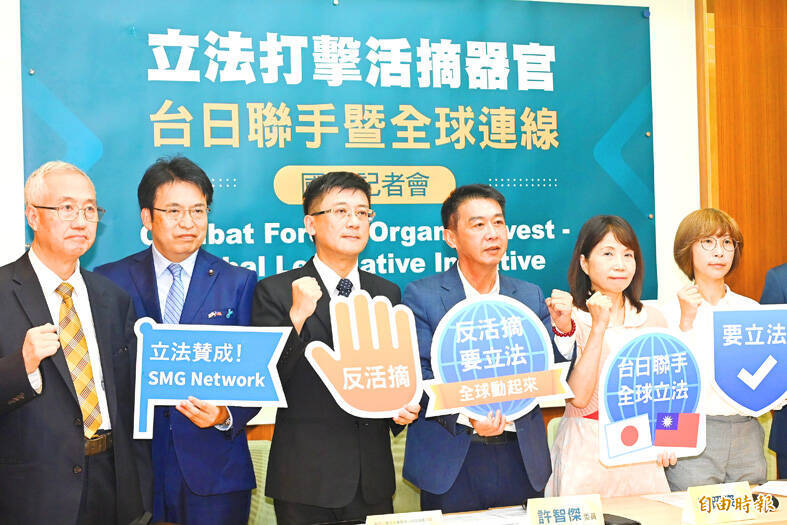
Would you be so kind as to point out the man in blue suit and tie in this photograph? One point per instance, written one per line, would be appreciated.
(202, 466)
(775, 292)
(462, 464)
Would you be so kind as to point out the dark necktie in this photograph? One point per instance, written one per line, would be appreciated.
(344, 287)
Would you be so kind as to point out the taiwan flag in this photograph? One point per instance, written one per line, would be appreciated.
(675, 429)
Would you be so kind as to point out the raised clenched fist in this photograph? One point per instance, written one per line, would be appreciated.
(690, 300)
(560, 304)
(40, 342)
(305, 294)
(600, 308)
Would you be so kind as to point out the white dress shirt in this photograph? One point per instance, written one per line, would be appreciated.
(164, 276)
(49, 281)
(470, 293)
(164, 283)
(565, 345)
(330, 278)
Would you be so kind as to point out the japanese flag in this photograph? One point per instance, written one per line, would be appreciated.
(628, 435)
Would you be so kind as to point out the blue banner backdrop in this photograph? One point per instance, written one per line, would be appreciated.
(548, 102)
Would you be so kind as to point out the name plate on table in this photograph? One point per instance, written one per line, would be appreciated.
(720, 503)
(407, 518)
(567, 509)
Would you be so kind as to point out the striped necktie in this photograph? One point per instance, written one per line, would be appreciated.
(176, 296)
(74, 344)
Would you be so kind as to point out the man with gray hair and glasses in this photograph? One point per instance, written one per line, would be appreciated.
(66, 371)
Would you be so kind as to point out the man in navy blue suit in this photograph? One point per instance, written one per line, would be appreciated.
(462, 464)
(775, 292)
(201, 462)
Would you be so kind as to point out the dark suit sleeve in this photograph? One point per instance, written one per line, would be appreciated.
(271, 309)
(775, 292)
(395, 296)
(15, 389)
(140, 447)
(242, 415)
(775, 289)
(415, 298)
(240, 418)
(246, 298)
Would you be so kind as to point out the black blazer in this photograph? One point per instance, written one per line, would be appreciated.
(41, 436)
(775, 292)
(319, 452)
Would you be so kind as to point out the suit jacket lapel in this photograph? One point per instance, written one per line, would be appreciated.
(99, 306)
(31, 297)
(453, 291)
(143, 274)
(367, 283)
(507, 286)
(323, 310)
(202, 280)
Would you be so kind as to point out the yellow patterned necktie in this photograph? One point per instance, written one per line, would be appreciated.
(75, 349)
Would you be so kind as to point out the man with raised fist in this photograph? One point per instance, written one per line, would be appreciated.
(462, 464)
(326, 465)
(66, 371)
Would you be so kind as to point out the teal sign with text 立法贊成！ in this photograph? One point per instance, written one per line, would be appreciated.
(225, 365)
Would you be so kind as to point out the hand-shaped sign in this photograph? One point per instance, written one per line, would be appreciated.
(374, 369)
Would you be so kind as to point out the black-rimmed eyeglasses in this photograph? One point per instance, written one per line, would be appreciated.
(343, 213)
(198, 214)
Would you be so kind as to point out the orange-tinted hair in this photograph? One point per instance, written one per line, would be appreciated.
(699, 224)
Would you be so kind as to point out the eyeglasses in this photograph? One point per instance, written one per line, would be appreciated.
(342, 213)
(69, 212)
(709, 244)
(198, 214)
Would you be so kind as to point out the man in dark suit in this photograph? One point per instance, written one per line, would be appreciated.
(775, 292)
(462, 464)
(325, 465)
(66, 371)
(201, 461)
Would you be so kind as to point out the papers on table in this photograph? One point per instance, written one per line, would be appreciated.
(503, 516)
(676, 499)
(773, 487)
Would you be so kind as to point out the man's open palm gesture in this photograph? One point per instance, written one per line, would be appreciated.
(374, 369)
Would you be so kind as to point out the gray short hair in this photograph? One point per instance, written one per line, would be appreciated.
(35, 182)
